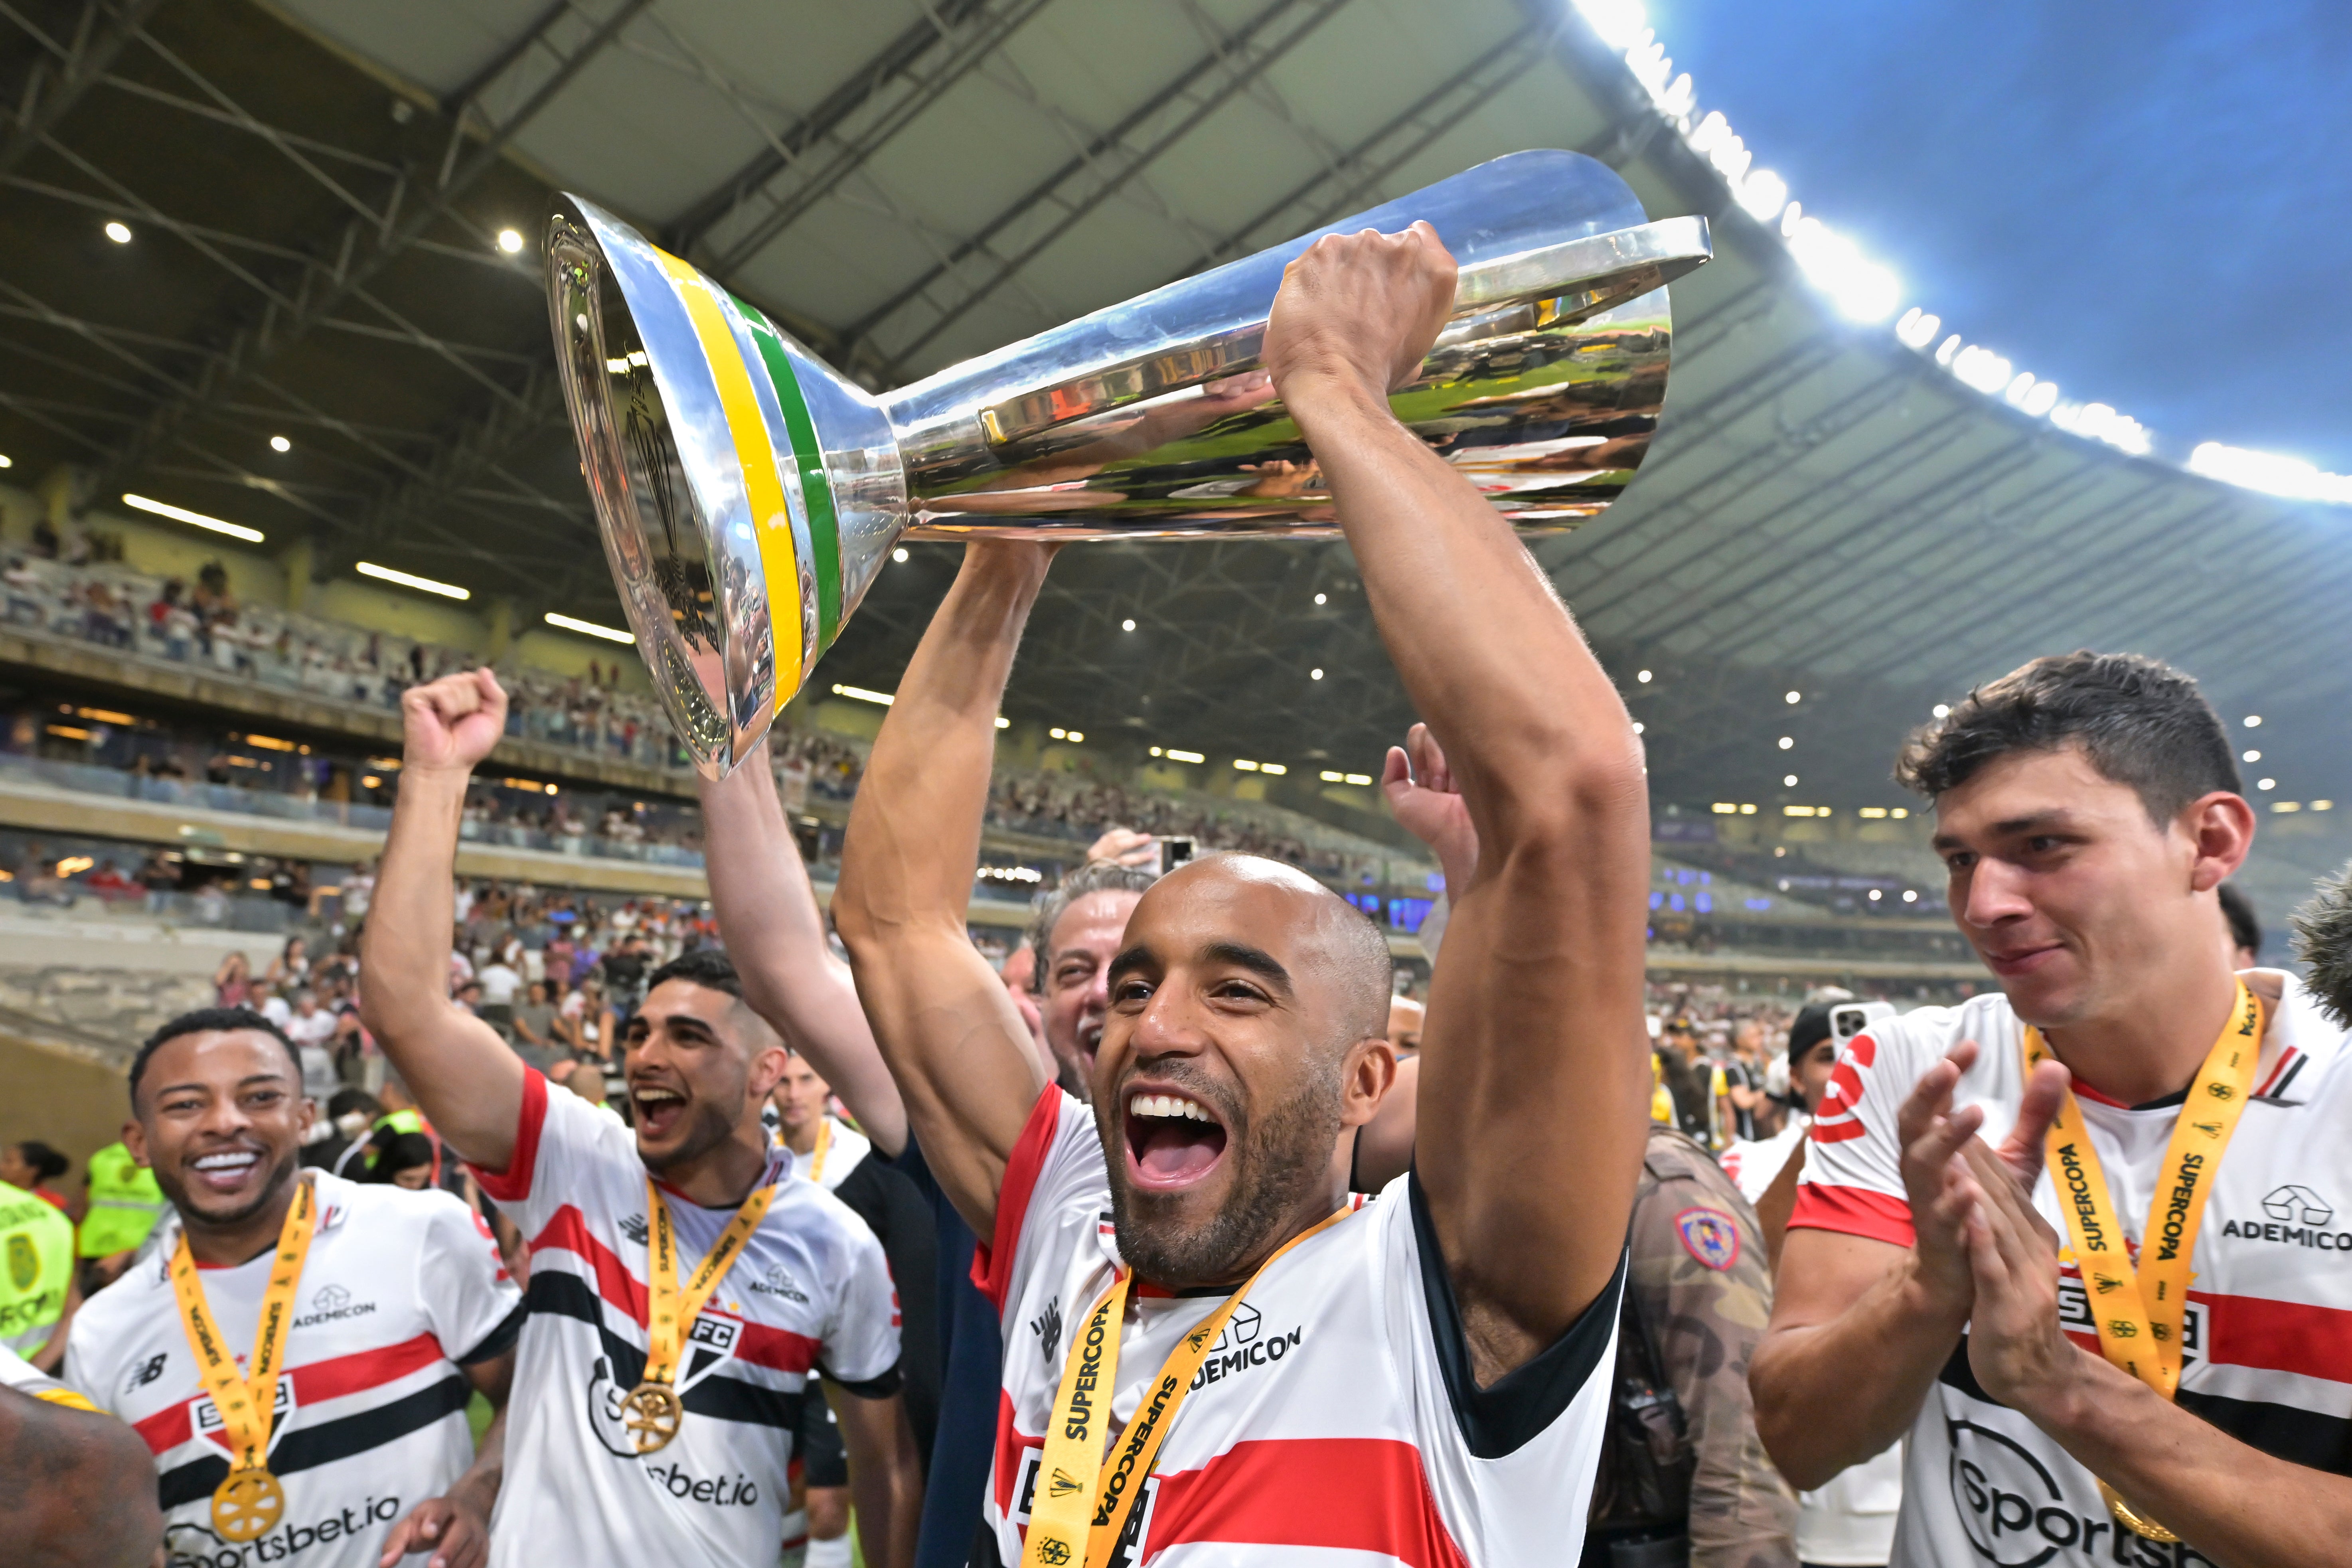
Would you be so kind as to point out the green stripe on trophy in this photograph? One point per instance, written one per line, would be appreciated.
(825, 529)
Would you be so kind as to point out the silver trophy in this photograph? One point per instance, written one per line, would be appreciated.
(747, 495)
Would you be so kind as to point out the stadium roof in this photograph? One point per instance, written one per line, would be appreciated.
(315, 191)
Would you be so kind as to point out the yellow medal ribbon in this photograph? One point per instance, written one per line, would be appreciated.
(1069, 1506)
(824, 1147)
(652, 1411)
(2138, 1311)
(250, 1503)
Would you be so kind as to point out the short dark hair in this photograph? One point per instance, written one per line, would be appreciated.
(1094, 877)
(46, 1162)
(706, 966)
(2245, 930)
(2140, 722)
(2323, 940)
(207, 1021)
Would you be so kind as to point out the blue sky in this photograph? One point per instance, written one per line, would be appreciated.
(2149, 203)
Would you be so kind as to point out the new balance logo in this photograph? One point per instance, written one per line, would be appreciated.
(633, 1227)
(1047, 1326)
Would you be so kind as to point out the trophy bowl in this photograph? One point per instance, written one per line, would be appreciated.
(747, 494)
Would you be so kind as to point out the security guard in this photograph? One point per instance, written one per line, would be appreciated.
(1683, 1478)
(37, 1269)
(124, 1205)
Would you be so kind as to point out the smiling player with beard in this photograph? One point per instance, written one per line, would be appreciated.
(391, 1309)
(1207, 1345)
(686, 1287)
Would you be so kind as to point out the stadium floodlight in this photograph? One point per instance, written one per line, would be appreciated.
(1316, 674)
(195, 518)
(2266, 784)
(7, 461)
(2251, 756)
(1980, 368)
(1860, 288)
(1763, 192)
(2042, 399)
(280, 444)
(410, 580)
(1127, 625)
(2020, 387)
(588, 628)
(863, 694)
(2252, 720)
(511, 241)
(1617, 23)
(1788, 742)
(119, 232)
(2269, 472)
(1947, 349)
(1791, 217)
(1793, 698)
(1917, 329)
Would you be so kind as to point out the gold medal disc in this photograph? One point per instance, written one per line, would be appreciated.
(2138, 1524)
(652, 1413)
(248, 1505)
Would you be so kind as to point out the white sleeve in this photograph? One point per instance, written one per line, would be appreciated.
(1058, 1163)
(471, 1303)
(861, 1344)
(560, 1152)
(1853, 1180)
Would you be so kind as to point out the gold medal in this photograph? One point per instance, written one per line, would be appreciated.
(653, 1412)
(2138, 1524)
(2140, 1306)
(248, 1505)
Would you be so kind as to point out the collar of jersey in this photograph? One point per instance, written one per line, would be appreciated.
(778, 1166)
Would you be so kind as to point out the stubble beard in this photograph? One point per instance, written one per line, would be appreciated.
(706, 1129)
(1278, 1162)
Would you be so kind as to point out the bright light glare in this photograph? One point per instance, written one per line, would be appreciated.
(863, 694)
(2266, 784)
(1795, 697)
(7, 461)
(1917, 329)
(2254, 720)
(2097, 422)
(1643, 676)
(2042, 399)
(1762, 194)
(1946, 349)
(588, 628)
(509, 241)
(410, 580)
(1790, 781)
(1942, 710)
(119, 232)
(1619, 22)
(2020, 389)
(1980, 368)
(1320, 598)
(1859, 287)
(2252, 757)
(280, 444)
(180, 514)
(1314, 675)
(899, 554)
(2271, 473)
(1127, 625)
(1788, 742)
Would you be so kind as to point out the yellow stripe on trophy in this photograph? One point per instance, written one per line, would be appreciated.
(779, 562)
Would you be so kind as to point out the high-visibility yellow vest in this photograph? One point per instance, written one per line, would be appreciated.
(125, 1204)
(37, 1253)
(1662, 1099)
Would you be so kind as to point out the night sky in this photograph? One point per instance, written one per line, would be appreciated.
(2150, 203)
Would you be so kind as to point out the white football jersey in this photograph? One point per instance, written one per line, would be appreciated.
(844, 1151)
(810, 1291)
(399, 1289)
(2267, 1341)
(1336, 1412)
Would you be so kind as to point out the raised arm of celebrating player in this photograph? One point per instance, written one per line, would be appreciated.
(1537, 1072)
(775, 934)
(466, 1080)
(956, 1046)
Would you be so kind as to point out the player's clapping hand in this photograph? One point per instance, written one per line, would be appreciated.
(455, 1532)
(453, 722)
(2016, 1348)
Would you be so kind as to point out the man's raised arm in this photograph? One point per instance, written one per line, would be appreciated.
(958, 1049)
(774, 932)
(467, 1081)
(1533, 1087)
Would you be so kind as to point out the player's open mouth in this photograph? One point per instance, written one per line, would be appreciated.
(1172, 1141)
(657, 1109)
(224, 1170)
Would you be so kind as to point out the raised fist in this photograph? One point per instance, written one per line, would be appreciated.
(454, 721)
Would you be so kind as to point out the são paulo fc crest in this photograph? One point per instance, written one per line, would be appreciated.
(1710, 1236)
